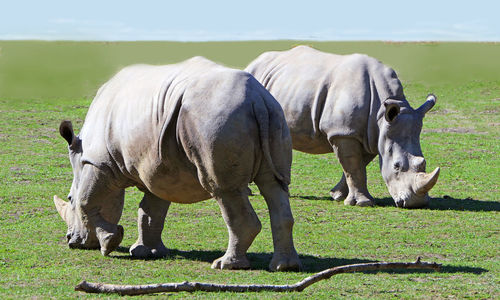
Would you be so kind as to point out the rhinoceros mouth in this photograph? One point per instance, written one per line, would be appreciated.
(77, 236)
(412, 201)
(416, 194)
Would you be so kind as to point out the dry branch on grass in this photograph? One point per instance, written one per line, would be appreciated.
(186, 286)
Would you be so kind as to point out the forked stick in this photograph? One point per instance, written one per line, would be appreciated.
(186, 286)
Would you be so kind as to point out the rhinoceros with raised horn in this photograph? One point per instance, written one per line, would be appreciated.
(352, 105)
(181, 133)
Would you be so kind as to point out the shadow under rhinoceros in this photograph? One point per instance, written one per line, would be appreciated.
(450, 203)
(447, 269)
(310, 263)
(324, 198)
(467, 204)
(444, 203)
(378, 201)
(259, 261)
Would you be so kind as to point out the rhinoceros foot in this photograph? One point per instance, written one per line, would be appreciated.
(340, 191)
(231, 263)
(364, 202)
(337, 195)
(111, 241)
(143, 251)
(359, 200)
(282, 263)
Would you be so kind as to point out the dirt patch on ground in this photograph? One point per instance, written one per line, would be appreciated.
(22, 172)
(493, 111)
(434, 255)
(443, 111)
(13, 216)
(462, 130)
(24, 181)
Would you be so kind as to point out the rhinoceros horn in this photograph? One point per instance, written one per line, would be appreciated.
(62, 208)
(425, 181)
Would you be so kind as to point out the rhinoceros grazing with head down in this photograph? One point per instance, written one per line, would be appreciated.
(355, 106)
(180, 133)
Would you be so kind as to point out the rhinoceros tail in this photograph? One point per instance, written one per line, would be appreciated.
(275, 139)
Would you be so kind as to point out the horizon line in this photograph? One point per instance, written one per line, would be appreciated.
(249, 40)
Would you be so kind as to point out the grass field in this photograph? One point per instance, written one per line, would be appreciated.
(42, 83)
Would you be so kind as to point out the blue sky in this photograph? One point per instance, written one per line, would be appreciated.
(186, 20)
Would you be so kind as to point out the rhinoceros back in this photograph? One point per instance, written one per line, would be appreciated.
(325, 95)
(168, 127)
(126, 117)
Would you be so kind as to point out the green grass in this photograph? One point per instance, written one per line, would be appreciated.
(460, 229)
(62, 70)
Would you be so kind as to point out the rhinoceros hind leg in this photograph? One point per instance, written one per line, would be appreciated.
(243, 226)
(353, 160)
(340, 191)
(285, 257)
(151, 219)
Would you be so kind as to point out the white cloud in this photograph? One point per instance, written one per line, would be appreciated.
(89, 29)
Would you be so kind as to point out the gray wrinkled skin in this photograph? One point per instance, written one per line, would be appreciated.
(181, 133)
(355, 106)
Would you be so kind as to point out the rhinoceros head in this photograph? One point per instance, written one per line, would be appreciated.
(401, 160)
(79, 234)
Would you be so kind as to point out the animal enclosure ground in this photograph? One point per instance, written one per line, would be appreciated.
(460, 229)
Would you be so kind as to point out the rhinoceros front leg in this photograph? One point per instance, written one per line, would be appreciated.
(101, 204)
(151, 219)
(285, 257)
(243, 226)
(340, 191)
(350, 154)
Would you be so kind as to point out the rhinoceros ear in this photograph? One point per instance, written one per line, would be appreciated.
(391, 110)
(66, 131)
